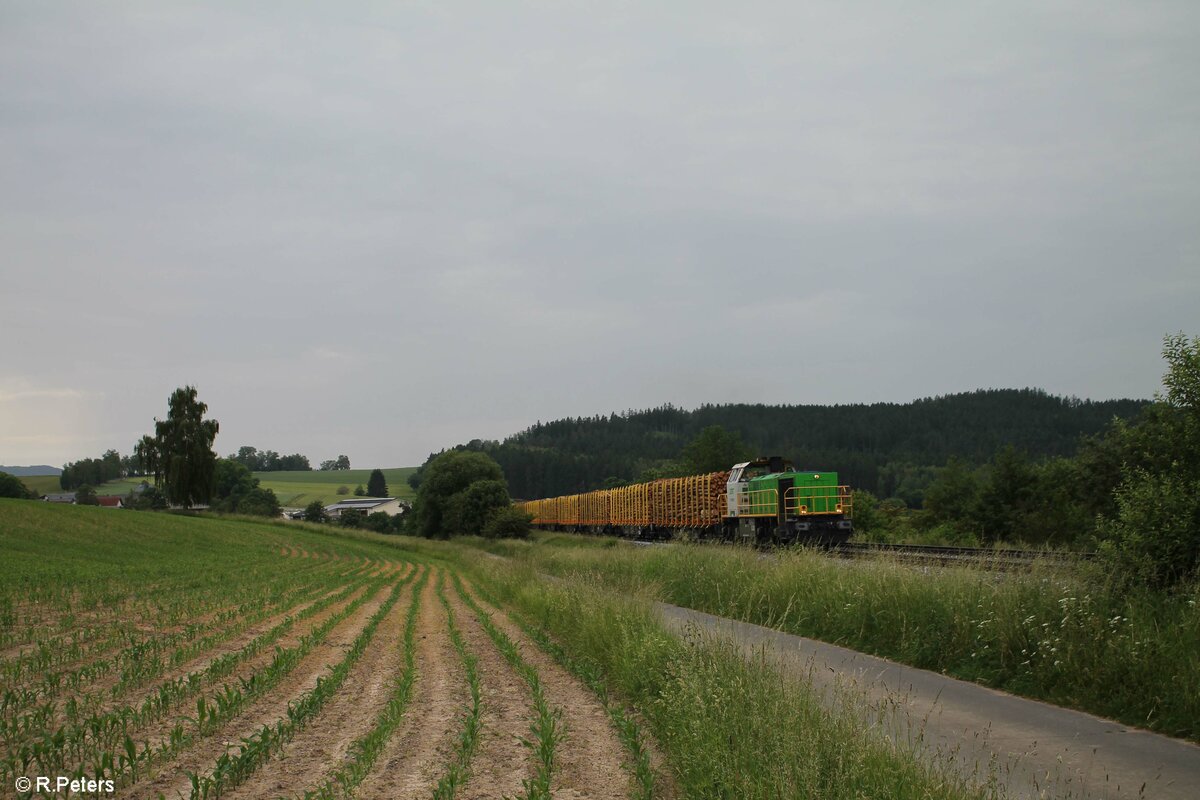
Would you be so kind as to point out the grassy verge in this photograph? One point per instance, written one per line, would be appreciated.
(1049, 634)
(729, 728)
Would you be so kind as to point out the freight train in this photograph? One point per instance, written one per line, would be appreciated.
(764, 501)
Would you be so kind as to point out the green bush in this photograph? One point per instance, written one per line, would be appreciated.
(11, 486)
(148, 499)
(259, 502)
(315, 512)
(1153, 537)
(382, 522)
(441, 508)
(508, 523)
(469, 511)
(1154, 540)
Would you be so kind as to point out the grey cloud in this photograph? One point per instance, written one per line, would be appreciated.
(495, 213)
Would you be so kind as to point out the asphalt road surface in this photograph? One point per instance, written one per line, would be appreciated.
(1028, 748)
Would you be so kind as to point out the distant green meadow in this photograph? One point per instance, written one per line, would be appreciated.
(49, 484)
(294, 489)
(42, 484)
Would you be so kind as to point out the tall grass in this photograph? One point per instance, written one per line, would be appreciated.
(730, 728)
(1051, 634)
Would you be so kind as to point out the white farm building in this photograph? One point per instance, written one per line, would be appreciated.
(367, 505)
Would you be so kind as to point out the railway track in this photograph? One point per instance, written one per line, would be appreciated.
(999, 558)
(946, 555)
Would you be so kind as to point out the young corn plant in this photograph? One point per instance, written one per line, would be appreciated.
(468, 740)
(365, 750)
(232, 769)
(590, 673)
(262, 681)
(547, 726)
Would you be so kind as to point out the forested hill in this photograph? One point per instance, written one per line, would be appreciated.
(887, 448)
(24, 472)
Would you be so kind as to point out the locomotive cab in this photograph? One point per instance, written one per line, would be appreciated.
(741, 475)
(768, 500)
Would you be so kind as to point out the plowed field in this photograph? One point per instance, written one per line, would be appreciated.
(180, 657)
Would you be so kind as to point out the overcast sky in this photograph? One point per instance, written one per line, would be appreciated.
(382, 229)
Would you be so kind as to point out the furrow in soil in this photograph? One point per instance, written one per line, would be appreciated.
(413, 761)
(171, 778)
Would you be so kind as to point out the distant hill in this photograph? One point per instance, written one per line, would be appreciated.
(888, 448)
(40, 469)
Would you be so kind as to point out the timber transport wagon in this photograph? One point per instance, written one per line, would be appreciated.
(760, 501)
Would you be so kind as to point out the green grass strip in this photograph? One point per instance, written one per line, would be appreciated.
(366, 749)
(547, 728)
(468, 740)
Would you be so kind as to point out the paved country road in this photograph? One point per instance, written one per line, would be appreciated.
(1033, 749)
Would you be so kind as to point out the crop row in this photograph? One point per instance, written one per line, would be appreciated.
(95, 638)
(97, 731)
(590, 673)
(459, 770)
(365, 750)
(142, 662)
(105, 740)
(143, 657)
(547, 727)
(166, 602)
(232, 768)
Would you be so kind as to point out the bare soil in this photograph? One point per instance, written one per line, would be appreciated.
(239, 642)
(502, 761)
(325, 743)
(171, 778)
(416, 757)
(591, 760)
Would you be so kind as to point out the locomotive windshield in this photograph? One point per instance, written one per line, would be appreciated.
(754, 471)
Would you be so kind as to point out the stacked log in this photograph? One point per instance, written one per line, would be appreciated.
(696, 501)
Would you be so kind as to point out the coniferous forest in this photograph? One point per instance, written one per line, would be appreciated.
(889, 449)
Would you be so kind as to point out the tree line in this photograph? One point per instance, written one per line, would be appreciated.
(94, 471)
(889, 449)
(464, 493)
(113, 466)
(1131, 491)
(257, 460)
